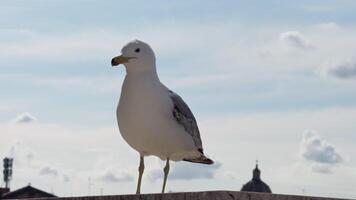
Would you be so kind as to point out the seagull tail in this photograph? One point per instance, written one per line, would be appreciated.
(202, 159)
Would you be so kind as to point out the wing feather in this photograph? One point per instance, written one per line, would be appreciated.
(185, 118)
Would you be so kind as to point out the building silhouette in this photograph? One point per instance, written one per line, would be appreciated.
(22, 193)
(256, 184)
(25, 193)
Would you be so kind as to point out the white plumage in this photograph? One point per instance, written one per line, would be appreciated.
(146, 122)
(152, 119)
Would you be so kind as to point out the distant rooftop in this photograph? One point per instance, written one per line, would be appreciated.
(3, 191)
(25, 193)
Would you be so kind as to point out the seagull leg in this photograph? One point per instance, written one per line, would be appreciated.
(166, 171)
(140, 172)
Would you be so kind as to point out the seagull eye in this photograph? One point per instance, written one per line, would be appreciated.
(137, 50)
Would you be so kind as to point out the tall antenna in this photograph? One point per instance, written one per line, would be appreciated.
(7, 171)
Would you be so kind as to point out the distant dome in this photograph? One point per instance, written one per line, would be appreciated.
(256, 184)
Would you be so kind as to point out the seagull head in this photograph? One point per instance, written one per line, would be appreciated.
(136, 56)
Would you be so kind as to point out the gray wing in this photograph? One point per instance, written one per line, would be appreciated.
(185, 118)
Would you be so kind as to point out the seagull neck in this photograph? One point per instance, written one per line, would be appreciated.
(152, 73)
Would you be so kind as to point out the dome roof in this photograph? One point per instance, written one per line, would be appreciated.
(256, 184)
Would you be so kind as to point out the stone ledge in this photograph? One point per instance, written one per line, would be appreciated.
(205, 195)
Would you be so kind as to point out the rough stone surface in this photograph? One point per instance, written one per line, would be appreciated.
(208, 195)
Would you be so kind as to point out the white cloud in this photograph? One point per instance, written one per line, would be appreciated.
(247, 53)
(25, 117)
(267, 133)
(223, 49)
(48, 171)
(26, 160)
(321, 168)
(187, 171)
(108, 170)
(22, 155)
(314, 148)
(98, 44)
(327, 26)
(114, 177)
(296, 39)
(346, 70)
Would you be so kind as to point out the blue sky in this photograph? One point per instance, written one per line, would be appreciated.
(275, 75)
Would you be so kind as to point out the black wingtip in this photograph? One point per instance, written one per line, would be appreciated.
(201, 160)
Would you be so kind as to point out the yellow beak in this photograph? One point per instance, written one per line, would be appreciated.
(120, 60)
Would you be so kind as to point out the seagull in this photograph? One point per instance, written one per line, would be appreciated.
(152, 119)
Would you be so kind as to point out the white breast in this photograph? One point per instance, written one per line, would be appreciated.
(145, 119)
